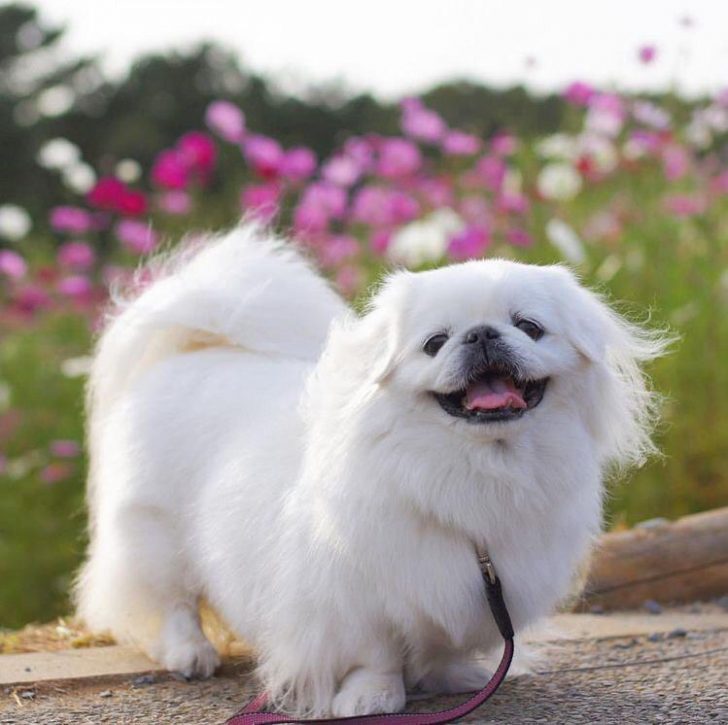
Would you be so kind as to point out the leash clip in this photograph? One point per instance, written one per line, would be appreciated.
(486, 566)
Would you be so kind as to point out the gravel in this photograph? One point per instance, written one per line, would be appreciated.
(669, 680)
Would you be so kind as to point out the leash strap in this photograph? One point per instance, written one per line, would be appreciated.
(252, 713)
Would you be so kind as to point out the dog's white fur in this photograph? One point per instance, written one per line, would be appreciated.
(254, 442)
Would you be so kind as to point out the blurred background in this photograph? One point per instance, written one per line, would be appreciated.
(376, 134)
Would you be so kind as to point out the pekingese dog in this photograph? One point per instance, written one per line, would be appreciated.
(322, 479)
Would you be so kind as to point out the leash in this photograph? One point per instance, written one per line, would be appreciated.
(253, 713)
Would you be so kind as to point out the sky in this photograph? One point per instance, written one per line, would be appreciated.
(399, 47)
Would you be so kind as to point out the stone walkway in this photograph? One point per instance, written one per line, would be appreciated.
(662, 673)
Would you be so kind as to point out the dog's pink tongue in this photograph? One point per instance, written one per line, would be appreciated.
(492, 394)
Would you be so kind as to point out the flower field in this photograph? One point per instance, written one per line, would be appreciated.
(632, 194)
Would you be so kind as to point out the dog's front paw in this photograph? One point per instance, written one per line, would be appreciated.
(193, 658)
(455, 676)
(365, 692)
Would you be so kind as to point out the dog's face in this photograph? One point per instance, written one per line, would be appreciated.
(484, 342)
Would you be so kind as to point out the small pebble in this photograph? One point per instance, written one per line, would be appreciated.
(596, 609)
(722, 602)
(27, 694)
(28, 669)
(106, 693)
(143, 680)
(677, 633)
(652, 606)
(654, 637)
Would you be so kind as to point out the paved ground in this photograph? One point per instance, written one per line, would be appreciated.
(673, 676)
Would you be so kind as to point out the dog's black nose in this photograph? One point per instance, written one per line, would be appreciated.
(480, 334)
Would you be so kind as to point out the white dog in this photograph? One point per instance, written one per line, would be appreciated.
(323, 479)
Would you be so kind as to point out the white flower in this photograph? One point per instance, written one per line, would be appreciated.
(601, 150)
(58, 153)
(558, 146)
(649, 114)
(559, 181)
(425, 240)
(55, 101)
(14, 222)
(79, 178)
(76, 367)
(128, 171)
(566, 240)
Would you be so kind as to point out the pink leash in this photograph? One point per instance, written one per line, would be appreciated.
(253, 714)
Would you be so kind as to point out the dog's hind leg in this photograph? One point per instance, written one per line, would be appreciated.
(136, 586)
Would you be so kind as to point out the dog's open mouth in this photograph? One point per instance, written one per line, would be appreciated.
(493, 395)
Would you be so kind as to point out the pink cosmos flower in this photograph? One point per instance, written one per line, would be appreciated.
(175, 202)
(518, 237)
(70, 219)
(30, 298)
(332, 199)
(420, 122)
(76, 255)
(341, 170)
(492, 171)
(579, 93)
(675, 162)
(398, 157)
(647, 54)
(12, 264)
(513, 203)
(457, 143)
(685, 205)
(504, 144)
(380, 241)
(361, 151)
(380, 207)
(261, 200)
(226, 120)
(76, 286)
(719, 184)
(56, 472)
(136, 236)
(197, 152)
(338, 249)
(264, 155)
(437, 191)
(348, 280)
(170, 170)
(469, 243)
(298, 163)
(65, 449)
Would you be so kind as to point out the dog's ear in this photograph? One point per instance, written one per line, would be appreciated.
(370, 343)
(625, 408)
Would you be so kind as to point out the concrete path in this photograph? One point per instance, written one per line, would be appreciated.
(620, 668)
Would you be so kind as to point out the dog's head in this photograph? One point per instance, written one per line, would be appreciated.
(489, 347)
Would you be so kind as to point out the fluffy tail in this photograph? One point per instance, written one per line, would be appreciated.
(243, 289)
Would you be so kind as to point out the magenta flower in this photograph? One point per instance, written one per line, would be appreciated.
(70, 219)
(361, 151)
(298, 163)
(197, 152)
(264, 155)
(261, 201)
(348, 280)
(469, 243)
(107, 193)
(380, 241)
(398, 157)
(437, 192)
(136, 236)
(226, 120)
(579, 93)
(647, 53)
(685, 205)
(12, 264)
(170, 170)
(332, 199)
(76, 255)
(76, 286)
(56, 472)
(457, 143)
(511, 202)
(175, 202)
(341, 170)
(420, 122)
(65, 449)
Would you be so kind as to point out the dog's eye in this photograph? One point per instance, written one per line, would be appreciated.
(531, 328)
(434, 343)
